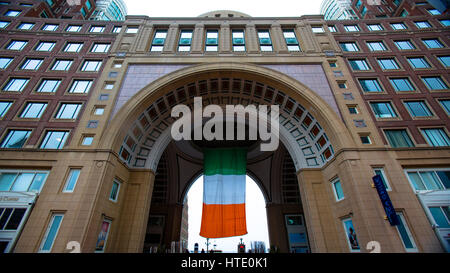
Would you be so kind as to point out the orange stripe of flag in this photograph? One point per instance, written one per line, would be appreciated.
(223, 221)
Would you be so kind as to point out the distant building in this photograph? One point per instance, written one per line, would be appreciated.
(110, 10)
(337, 10)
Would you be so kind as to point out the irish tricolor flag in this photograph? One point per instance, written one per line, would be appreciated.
(224, 193)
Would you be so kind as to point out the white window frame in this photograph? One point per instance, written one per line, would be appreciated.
(73, 47)
(43, 43)
(106, 237)
(346, 237)
(424, 170)
(118, 191)
(69, 176)
(47, 232)
(333, 182)
(408, 231)
(383, 173)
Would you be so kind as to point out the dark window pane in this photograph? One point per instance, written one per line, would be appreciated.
(15, 219)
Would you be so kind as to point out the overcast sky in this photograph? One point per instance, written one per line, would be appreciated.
(193, 8)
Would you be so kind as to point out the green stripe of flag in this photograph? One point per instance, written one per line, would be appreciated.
(225, 161)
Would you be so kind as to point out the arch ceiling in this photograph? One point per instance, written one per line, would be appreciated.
(299, 129)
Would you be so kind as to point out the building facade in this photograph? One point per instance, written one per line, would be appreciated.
(110, 10)
(92, 162)
(337, 10)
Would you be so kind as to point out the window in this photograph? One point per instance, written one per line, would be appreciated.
(350, 235)
(370, 85)
(351, 28)
(317, 29)
(332, 28)
(49, 27)
(15, 139)
(87, 141)
(12, 13)
(441, 216)
(72, 179)
(349, 46)
(98, 111)
(434, 12)
(159, 40)
(88, 5)
(436, 137)
(426, 180)
(48, 85)
(380, 172)
(432, 43)
(342, 85)
(374, 27)
(4, 107)
(3, 24)
(4, 62)
(68, 110)
(22, 180)
(91, 66)
(291, 40)
(422, 24)
(16, 85)
(418, 109)
(32, 64)
(405, 234)
(398, 138)
(33, 110)
(10, 219)
(445, 22)
(434, 83)
(114, 191)
(352, 110)
(401, 84)
(212, 40)
(73, 47)
(446, 105)
(445, 60)
(80, 86)
(25, 26)
(265, 43)
(185, 41)
(62, 65)
(398, 26)
(73, 28)
(238, 40)
(418, 62)
(383, 110)
(365, 139)
(132, 30)
(45, 46)
(404, 45)
(337, 189)
(359, 64)
(404, 13)
(376, 46)
(97, 29)
(388, 64)
(54, 140)
(16, 45)
(100, 48)
(51, 233)
(117, 29)
(103, 236)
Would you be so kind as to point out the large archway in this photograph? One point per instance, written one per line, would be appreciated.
(311, 133)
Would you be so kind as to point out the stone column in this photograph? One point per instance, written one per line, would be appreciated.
(197, 39)
(225, 38)
(278, 41)
(144, 39)
(251, 39)
(171, 39)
